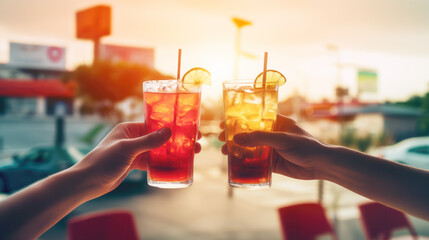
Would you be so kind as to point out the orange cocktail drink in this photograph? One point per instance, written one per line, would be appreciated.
(248, 109)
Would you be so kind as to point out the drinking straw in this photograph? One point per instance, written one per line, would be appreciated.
(264, 82)
(176, 103)
(179, 62)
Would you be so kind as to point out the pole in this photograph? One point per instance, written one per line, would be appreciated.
(320, 192)
(59, 131)
(96, 50)
(1, 144)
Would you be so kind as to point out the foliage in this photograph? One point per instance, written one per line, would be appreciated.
(363, 143)
(383, 139)
(349, 138)
(104, 84)
(421, 102)
(416, 101)
(423, 126)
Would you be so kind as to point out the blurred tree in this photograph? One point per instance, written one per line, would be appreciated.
(348, 137)
(425, 103)
(103, 85)
(364, 143)
(421, 102)
(413, 101)
(423, 123)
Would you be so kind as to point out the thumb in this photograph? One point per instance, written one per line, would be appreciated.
(260, 138)
(150, 141)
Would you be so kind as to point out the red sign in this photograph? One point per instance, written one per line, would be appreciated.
(114, 53)
(93, 23)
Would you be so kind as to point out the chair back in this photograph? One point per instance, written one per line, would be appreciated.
(305, 221)
(379, 220)
(106, 225)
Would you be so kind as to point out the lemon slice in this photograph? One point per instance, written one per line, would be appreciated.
(273, 76)
(197, 76)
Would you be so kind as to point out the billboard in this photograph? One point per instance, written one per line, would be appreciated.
(94, 22)
(367, 81)
(114, 53)
(37, 56)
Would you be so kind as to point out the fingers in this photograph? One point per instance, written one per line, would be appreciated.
(286, 124)
(148, 142)
(259, 138)
(225, 149)
(222, 125)
(140, 162)
(221, 136)
(197, 148)
(132, 129)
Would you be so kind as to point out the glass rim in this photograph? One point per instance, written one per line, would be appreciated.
(168, 80)
(171, 83)
(242, 81)
(162, 80)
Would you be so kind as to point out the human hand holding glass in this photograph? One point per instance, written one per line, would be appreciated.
(121, 151)
(295, 152)
(34, 209)
(299, 155)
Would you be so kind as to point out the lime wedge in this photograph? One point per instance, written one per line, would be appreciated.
(197, 76)
(273, 76)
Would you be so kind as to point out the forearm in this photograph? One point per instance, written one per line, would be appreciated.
(33, 210)
(399, 186)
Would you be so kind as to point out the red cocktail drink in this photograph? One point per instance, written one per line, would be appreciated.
(168, 104)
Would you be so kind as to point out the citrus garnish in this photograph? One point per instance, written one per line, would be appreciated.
(273, 76)
(197, 76)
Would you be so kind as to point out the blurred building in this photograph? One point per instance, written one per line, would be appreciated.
(396, 122)
(30, 84)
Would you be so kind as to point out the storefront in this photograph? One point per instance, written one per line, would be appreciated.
(35, 98)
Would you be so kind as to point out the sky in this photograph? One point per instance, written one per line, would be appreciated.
(388, 36)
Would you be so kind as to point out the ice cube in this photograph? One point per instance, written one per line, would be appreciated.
(267, 124)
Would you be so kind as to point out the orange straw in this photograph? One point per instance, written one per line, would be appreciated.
(264, 77)
(176, 103)
(264, 82)
(179, 62)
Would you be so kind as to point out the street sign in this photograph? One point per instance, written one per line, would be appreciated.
(367, 81)
(115, 53)
(37, 56)
(93, 23)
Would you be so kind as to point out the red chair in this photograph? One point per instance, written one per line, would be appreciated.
(106, 225)
(304, 221)
(380, 221)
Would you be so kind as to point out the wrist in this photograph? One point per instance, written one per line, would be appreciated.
(82, 183)
(327, 161)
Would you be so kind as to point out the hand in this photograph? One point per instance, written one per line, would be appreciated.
(296, 153)
(121, 151)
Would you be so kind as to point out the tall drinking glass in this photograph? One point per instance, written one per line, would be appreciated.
(170, 104)
(249, 109)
